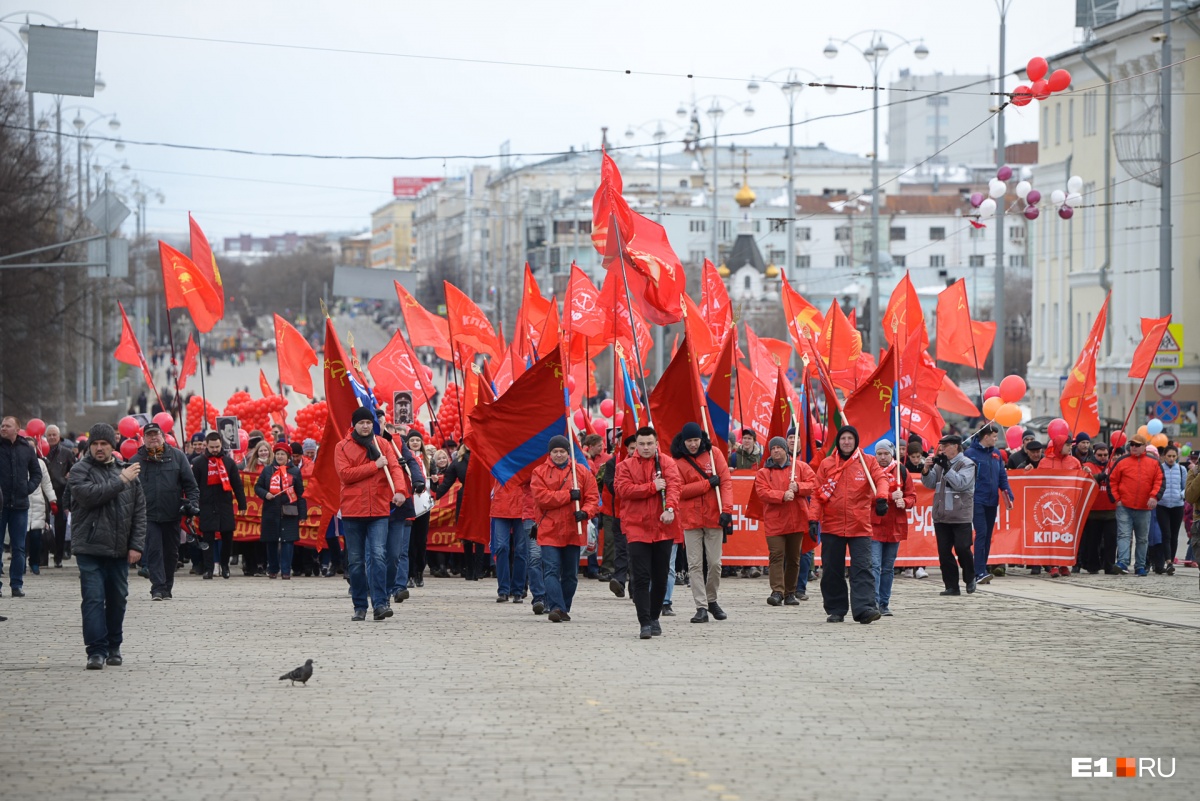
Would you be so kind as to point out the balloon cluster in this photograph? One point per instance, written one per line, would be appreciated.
(36, 428)
(1064, 201)
(197, 410)
(447, 416)
(1000, 406)
(997, 188)
(1040, 86)
(1153, 431)
(254, 413)
(310, 421)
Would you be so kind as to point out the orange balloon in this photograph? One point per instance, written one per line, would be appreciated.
(1008, 415)
(991, 406)
(1144, 433)
(1159, 441)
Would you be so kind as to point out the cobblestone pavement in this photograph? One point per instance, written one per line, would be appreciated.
(458, 697)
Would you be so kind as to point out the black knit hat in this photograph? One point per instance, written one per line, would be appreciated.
(360, 414)
(102, 432)
(691, 431)
(558, 441)
(847, 430)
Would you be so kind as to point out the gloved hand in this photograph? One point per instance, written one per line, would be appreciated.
(881, 507)
(418, 489)
(943, 460)
(191, 509)
(714, 481)
(726, 520)
(576, 495)
(581, 516)
(53, 508)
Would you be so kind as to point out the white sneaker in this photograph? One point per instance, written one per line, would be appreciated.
(908, 572)
(921, 573)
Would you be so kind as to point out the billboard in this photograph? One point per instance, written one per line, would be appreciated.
(409, 186)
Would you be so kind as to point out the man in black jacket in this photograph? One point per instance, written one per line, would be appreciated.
(219, 483)
(108, 528)
(171, 490)
(59, 462)
(20, 477)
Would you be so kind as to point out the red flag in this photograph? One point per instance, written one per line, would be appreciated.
(677, 397)
(295, 356)
(468, 324)
(804, 320)
(509, 368)
(396, 369)
(582, 313)
(424, 329)
(130, 352)
(700, 336)
(960, 339)
(840, 344)
(187, 288)
(190, 361)
(619, 314)
(206, 263)
(1153, 332)
(904, 318)
(339, 394)
(551, 333)
(755, 403)
(531, 316)
(1079, 404)
(715, 308)
(781, 421)
(264, 385)
(608, 202)
(951, 398)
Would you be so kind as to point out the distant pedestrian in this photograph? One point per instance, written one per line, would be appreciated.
(171, 492)
(20, 477)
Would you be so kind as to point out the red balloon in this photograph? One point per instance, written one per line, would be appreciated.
(601, 425)
(35, 427)
(1058, 80)
(570, 383)
(1040, 90)
(22, 433)
(580, 418)
(128, 427)
(607, 407)
(164, 421)
(1013, 437)
(128, 448)
(619, 420)
(43, 447)
(243, 439)
(1012, 388)
(171, 441)
(1118, 439)
(1022, 95)
(991, 392)
(1037, 68)
(1058, 428)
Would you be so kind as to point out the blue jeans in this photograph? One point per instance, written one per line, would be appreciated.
(671, 574)
(279, 557)
(16, 521)
(883, 567)
(399, 532)
(509, 557)
(561, 569)
(537, 582)
(366, 538)
(1129, 523)
(806, 566)
(104, 585)
(985, 523)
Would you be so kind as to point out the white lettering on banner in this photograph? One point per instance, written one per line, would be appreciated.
(1053, 537)
(920, 521)
(744, 523)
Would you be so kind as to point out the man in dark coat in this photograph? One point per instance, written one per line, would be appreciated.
(59, 462)
(171, 490)
(219, 483)
(281, 488)
(20, 477)
(108, 526)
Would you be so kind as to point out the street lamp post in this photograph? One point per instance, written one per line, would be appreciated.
(81, 127)
(875, 54)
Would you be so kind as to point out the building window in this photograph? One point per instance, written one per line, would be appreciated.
(899, 261)
(758, 226)
(724, 229)
(937, 233)
(804, 234)
(683, 184)
(841, 261)
(1043, 330)
(1089, 113)
(696, 257)
(1046, 125)
(976, 233)
(975, 261)
(867, 247)
(1058, 123)
(896, 233)
(1017, 233)
(937, 261)
(778, 225)
(778, 257)
(1057, 329)
(746, 283)
(1071, 119)
(841, 233)
(1016, 260)
(803, 262)
(696, 226)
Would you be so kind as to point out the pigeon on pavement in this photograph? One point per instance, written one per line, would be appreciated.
(301, 674)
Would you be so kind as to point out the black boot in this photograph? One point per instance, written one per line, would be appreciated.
(701, 615)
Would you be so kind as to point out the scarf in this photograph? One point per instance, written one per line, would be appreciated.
(217, 474)
(367, 442)
(281, 483)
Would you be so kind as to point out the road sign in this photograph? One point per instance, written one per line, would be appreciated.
(1170, 352)
(1166, 384)
(1166, 410)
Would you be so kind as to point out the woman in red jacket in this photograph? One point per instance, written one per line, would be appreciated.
(704, 520)
(784, 494)
(849, 484)
(889, 530)
(564, 503)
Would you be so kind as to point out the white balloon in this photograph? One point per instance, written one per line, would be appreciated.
(1073, 199)
(1074, 183)
(997, 188)
(1057, 197)
(1023, 189)
(987, 208)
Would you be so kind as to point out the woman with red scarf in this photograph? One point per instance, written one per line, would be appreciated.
(220, 483)
(281, 488)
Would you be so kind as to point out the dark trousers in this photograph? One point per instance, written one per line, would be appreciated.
(210, 537)
(648, 566)
(616, 550)
(104, 585)
(162, 555)
(954, 538)
(34, 546)
(860, 599)
(60, 535)
(472, 565)
(416, 546)
(1098, 544)
(1169, 521)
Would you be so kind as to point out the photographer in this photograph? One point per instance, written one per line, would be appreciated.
(951, 476)
(171, 491)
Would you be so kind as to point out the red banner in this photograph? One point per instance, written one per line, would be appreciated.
(249, 523)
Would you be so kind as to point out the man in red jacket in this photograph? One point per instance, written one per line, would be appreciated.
(564, 503)
(704, 520)
(367, 498)
(784, 494)
(1134, 484)
(647, 487)
(849, 486)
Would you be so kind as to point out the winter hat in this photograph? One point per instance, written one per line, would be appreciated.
(777, 442)
(151, 428)
(310, 444)
(848, 430)
(360, 414)
(691, 431)
(558, 441)
(1082, 437)
(102, 432)
(197, 437)
(951, 439)
(884, 445)
(297, 449)
(281, 446)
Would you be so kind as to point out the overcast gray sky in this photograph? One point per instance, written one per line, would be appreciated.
(299, 99)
